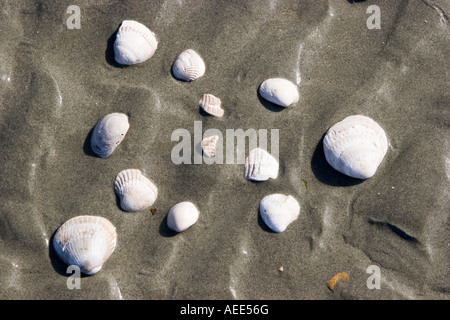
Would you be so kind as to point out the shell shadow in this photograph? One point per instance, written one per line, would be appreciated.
(164, 230)
(87, 145)
(353, 1)
(269, 105)
(109, 52)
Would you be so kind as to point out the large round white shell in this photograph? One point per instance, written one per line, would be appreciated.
(182, 216)
(279, 91)
(278, 211)
(261, 165)
(108, 133)
(136, 192)
(85, 241)
(188, 66)
(134, 43)
(355, 146)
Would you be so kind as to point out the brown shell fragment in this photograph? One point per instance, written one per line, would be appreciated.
(338, 277)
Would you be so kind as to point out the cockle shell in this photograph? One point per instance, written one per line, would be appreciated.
(182, 215)
(209, 145)
(134, 43)
(355, 146)
(108, 133)
(188, 66)
(278, 211)
(85, 241)
(211, 105)
(279, 91)
(261, 165)
(136, 192)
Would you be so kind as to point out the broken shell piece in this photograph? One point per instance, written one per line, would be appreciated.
(261, 165)
(338, 277)
(182, 216)
(211, 105)
(188, 66)
(209, 146)
(136, 192)
(279, 91)
(278, 211)
(85, 241)
(108, 133)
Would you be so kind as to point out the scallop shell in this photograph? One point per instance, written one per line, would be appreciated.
(209, 145)
(134, 43)
(182, 216)
(211, 105)
(355, 146)
(278, 211)
(136, 192)
(279, 91)
(188, 66)
(85, 241)
(261, 165)
(108, 133)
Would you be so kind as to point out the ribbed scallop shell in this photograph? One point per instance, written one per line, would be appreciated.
(85, 241)
(261, 165)
(278, 211)
(212, 105)
(355, 146)
(134, 43)
(188, 66)
(136, 192)
(108, 133)
(182, 216)
(279, 91)
(209, 145)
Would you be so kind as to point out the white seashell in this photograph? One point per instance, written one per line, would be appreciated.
(355, 146)
(108, 133)
(136, 192)
(188, 66)
(211, 105)
(134, 43)
(182, 215)
(261, 165)
(279, 91)
(209, 145)
(278, 211)
(85, 241)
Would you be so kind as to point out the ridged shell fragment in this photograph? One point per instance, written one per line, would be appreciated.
(261, 165)
(355, 146)
(85, 241)
(188, 66)
(212, 105)
(134, 43)
(182, 216)
(108, 133)
(136, 192)
(278, 211)
(209, 145)
(280, 91)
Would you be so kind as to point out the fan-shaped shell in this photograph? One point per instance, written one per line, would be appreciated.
(212, 105)
(136, 192)
(209, 145)
(182, 216)
(261, 165)
(85, 241)
(134, 43)
(108, 133)
(278, 211)
(355, 146)
(188, 66)
(279, 91)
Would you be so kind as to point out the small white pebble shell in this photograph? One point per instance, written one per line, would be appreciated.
(261, 165)
(209, 145)
(188, 66)
(108, 133)
(279, 91)
(278, 211)
(182, 216)
(212, 105)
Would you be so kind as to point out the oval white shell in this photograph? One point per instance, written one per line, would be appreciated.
(134, 43)
(108, 133)
(355, 146)
(261, 165)
(279, 91)
(212, 105)
(85, 241)
(182, 216)
(209, 145)
(188, 66)
(278, 211)
(136, 192)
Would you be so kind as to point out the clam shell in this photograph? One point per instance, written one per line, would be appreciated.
(135, 191)
(278, 211)
(261, 165)
(108, 133)
(188, 66)
(355, 146)
(182, 216)
(134, 43)
(85, 241)
(279, 91)
(209, 145)
(211, 105)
